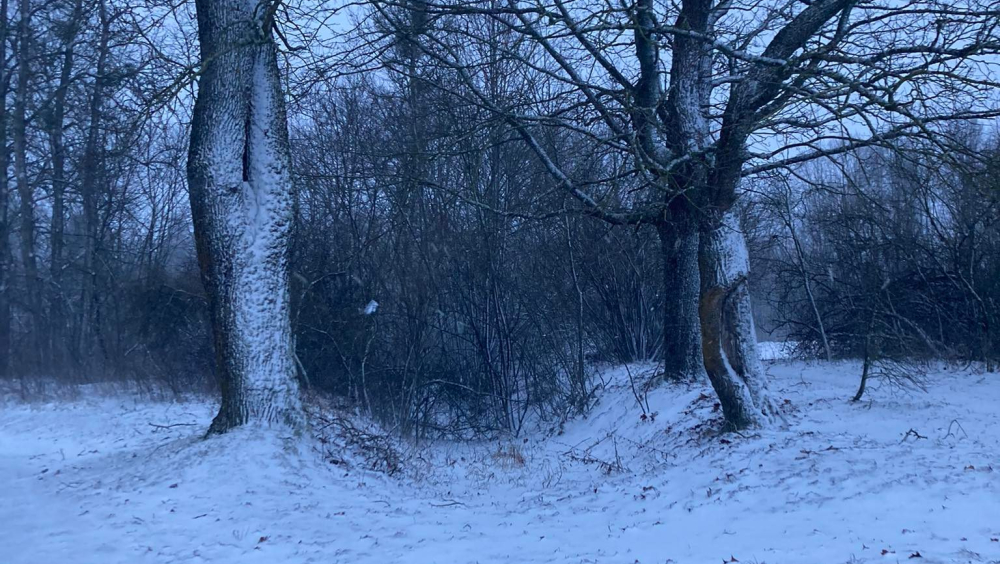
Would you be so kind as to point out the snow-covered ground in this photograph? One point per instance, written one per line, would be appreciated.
(887, 480)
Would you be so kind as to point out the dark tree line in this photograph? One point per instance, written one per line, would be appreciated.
(887, 256)
(94, 228)
(477, 201)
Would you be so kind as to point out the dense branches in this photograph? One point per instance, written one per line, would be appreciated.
(493, 195)
(888, 256)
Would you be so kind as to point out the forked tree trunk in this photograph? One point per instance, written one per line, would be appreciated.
(682, 356)
(729, 342)
(241, 201)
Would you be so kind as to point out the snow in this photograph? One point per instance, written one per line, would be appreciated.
(731, 248)
(776, 350)
(118, 479)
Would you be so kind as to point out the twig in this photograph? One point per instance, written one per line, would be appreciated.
(449, 504)
(157, 426)
(953, 423)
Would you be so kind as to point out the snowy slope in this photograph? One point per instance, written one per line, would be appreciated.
(92, 481)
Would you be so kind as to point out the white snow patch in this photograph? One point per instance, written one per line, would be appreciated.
(776, 350)
(92, 481)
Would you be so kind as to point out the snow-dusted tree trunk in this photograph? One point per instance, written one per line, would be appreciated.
(242, 204)
(6, 260)
(729, 342)
(682, 357)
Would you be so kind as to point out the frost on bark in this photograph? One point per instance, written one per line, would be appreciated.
(729, 342)
(682, 357)
(241, 202)
(6, 260)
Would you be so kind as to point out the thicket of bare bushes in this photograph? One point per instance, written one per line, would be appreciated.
(439, 279)
(886, 254)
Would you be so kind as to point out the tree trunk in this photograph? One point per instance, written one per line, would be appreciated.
(57, 322)
(682, 356)
(865, 369)
(92, 166)
(241, 201)
(6, 262)
(32, 285)
(579, 378)
(800, 256)
(729, 342)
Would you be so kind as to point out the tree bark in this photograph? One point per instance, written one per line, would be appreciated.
(579, 378)
(682, 356)
(241, 201)
(56, 124)
(26, 192)
(6, 262)
(92, 165)
(729, 342)
(865, 370)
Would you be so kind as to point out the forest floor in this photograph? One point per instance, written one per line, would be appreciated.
(895, 478)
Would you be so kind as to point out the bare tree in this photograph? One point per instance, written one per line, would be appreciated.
(688, 91)
(90, 183)
(57, 146)
(241, 201)
(6, 260)
(896, 255)
(782, 198)
(490, 195)
(25, 187)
